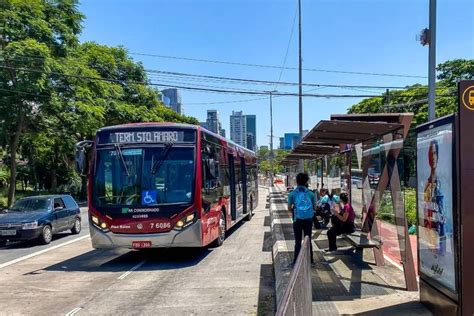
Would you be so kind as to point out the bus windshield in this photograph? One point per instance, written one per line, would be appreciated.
(143, 176)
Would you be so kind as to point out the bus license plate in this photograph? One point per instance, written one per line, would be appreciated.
(141, 244)
(8, 232)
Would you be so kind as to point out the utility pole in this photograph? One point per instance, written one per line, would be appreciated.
(271, 139)
(432, 62)
(300, 85)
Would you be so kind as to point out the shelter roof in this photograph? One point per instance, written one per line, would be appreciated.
(330, 136)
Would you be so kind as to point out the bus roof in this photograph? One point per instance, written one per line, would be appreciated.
(178, 125)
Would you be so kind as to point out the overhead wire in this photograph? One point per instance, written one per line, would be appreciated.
(277, 67)
(195, 88)
(287, 49)
(264, 66)
(199, 77)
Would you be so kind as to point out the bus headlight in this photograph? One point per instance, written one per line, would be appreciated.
(97, 222)
(185, 221)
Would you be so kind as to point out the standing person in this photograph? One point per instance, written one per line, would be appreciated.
(302, 203)
(342, 221)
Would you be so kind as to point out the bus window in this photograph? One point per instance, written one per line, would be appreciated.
(211, 186)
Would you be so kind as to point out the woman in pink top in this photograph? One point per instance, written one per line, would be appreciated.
(342, 222)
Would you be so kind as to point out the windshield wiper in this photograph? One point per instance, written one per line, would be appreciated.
(122, 160)
(159, 162)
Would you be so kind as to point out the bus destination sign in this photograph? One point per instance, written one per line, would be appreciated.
(145, 136)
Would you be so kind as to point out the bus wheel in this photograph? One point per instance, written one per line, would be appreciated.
(221, 235)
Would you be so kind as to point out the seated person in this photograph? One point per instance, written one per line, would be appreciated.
(342, 221)
(323, 209)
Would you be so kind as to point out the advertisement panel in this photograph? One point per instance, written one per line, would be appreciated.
(436, 239)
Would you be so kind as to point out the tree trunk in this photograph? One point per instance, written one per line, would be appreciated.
(13, 148)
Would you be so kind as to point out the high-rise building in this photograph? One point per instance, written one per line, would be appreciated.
(251, 122)
(250, 142)
(213, 123)
(172, 98)
(282, 143)
(291, 140)
(238, 128)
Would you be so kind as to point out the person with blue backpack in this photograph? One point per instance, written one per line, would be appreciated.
(302, 204)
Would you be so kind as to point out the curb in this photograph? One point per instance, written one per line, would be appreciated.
(282, 255)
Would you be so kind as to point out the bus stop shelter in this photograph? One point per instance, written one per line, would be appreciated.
(368, 145)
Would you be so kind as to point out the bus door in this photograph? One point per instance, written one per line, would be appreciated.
(243, 172)
(239, 198)
(233, 202)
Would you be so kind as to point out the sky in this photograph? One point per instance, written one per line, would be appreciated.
(371, 36)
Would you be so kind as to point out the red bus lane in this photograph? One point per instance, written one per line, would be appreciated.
(391, 247)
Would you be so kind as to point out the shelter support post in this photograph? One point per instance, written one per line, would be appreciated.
(401, 223)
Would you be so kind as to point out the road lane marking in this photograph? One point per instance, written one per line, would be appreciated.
(123, 276)
(74, 311)
(31, 255)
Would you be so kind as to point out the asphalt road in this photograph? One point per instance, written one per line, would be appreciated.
(235, 279)
(16, 250)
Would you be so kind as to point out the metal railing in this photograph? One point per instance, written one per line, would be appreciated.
(297, 299)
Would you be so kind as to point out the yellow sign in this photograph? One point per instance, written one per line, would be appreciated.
(467, 98)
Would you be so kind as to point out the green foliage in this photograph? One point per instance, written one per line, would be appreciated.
(410, 206)
(387, 214)
(449, 73)
(3, 176)
(58, 100)
(265, 163)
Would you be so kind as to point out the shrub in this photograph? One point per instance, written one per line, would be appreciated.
(410, 206)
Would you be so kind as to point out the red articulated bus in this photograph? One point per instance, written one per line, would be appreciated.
(165, 185)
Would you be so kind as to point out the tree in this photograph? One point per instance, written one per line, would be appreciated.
(414, 98)
(30, 28)
(264, 159)
(55, 91)
(94, 86)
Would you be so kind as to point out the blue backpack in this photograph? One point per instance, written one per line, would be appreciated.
(303, 204)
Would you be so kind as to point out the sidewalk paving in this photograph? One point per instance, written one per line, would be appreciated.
(343, 282)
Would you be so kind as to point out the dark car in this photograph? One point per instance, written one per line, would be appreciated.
(39, 217)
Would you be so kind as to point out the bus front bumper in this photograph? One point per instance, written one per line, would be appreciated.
(188, 237)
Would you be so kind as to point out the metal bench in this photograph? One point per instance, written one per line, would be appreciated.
(359, 240)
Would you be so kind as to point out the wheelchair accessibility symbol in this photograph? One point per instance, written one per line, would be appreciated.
(148, 197)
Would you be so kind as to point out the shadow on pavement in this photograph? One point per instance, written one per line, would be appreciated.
(351, 279)
(32, 243)
(267, 242)
(409, 308)
(117, 260)
(267, 221)
(266, 291)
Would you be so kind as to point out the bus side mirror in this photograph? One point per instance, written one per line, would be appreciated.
(81, 155)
